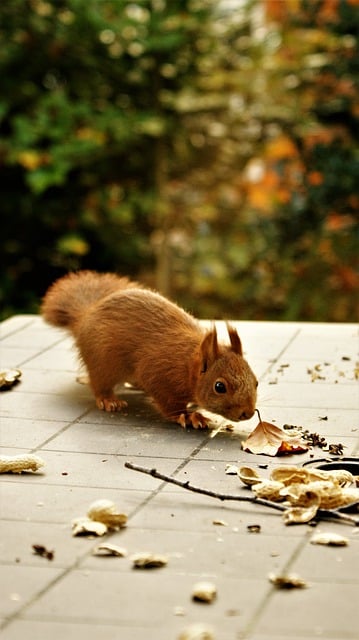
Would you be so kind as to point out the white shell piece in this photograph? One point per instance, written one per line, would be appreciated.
(231, 469)
(108, 549)
(87, 527)
(18, 464)
(106, 511)
(204, 591)
(268, 489)
(198, 631)
(148, 560)
(249, 476)
(330, 539)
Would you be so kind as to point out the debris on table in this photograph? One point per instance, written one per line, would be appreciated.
(197, 631)
(87, 527)
(204, 592)
(108, 549)
(231, 469)
(304, 490)
(20, 463)
(270, 440)
(330, 539)
(105, 511)
(220, 523)
(148, 560)
(9, 378)
(41, 550)
(283, 581)
(102, 516)
(254, 528)
(249, 476)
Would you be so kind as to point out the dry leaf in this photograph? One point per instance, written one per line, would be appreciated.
(287, 581)
(20, 463)
(147, 560)
(204, 592)
(270, 440)
(330, 539)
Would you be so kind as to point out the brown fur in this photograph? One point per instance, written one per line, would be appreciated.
(126, 333)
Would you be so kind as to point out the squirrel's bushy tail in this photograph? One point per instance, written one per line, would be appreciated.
(69, 297)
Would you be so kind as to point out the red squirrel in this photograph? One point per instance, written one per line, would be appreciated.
(127, 333)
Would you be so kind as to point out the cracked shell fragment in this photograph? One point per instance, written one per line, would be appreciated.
(197, 632)
(20, 463)
(204, 591)
(147, 560)
(108, 549)
(8, 378)
(330, 539)
(268, 489)
(105, 511)
(301, 515)
(293, 475)
(231, 469)
(283, 581)
(249, 476)
(331, 495)
(87, 527)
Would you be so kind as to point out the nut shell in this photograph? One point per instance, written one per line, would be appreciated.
(249, 476)
(204, 592)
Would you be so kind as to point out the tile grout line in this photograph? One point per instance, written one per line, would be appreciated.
(281, 353)
(76, 565)
(66, 571)
(39, 447)
(24, 326)
(255, 619)
(163, 484)
(40, 353)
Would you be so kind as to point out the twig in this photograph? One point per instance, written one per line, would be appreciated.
(213, 494)
(324, 514)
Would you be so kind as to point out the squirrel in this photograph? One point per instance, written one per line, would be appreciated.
(126, 332)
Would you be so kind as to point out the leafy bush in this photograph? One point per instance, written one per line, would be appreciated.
(210, 153)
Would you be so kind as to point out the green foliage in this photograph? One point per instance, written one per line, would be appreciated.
(211, 153)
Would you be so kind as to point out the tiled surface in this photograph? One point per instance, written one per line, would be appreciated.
(77, 595)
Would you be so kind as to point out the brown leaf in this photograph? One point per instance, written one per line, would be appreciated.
(270, 440)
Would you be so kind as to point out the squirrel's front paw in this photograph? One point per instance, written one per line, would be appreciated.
(194, 419)
(111, 403)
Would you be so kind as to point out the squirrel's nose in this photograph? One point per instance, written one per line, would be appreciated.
(246, 415)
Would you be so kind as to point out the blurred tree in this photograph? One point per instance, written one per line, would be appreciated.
(87, 126)
(278, 234)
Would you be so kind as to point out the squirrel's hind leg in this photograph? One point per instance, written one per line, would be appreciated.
(106, 399)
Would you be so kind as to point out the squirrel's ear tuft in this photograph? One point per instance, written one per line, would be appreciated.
(209, 349)
(235, 340)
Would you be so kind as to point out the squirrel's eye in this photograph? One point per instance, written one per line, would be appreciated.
(220, 387)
